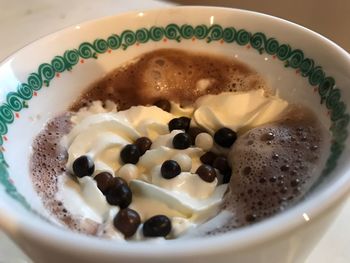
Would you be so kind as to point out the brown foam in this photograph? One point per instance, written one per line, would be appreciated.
(274, 166)
(171, 74)
(48, 161)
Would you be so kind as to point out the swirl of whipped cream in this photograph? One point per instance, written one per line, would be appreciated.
(101, 133)
(237, 110)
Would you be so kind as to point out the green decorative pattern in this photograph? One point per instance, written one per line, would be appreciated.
(294, 59)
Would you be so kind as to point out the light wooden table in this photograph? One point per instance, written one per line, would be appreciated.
(23, 21)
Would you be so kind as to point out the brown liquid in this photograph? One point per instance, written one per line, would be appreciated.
(272, 164)
(170, 74)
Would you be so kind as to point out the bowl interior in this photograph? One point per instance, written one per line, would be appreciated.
(43, 79)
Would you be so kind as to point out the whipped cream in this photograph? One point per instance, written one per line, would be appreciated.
(101, 132)
(237, 110)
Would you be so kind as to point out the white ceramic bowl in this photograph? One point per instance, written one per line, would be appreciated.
(44, 78)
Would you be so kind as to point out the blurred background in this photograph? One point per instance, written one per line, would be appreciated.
(330, 18)
(23, 21)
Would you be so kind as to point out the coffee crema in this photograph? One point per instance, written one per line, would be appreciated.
(273, 165)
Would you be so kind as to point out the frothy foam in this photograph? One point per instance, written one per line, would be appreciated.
(47, 164)
(274, 165)
(177, 75)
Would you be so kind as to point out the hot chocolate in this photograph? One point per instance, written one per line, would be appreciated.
(240, 150)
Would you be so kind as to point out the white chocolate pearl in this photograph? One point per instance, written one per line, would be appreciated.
(204, 141)
(128, 172)
(184, 161)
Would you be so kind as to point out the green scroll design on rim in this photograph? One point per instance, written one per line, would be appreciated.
(295, 59)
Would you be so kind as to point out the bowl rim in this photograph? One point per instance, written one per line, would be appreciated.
(244, 237)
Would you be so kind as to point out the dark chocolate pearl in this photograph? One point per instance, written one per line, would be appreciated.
(115, 181)
(225, 137)
(170, 169)
(221, 164)
(186, 122)
(157, 226)
(127, 221)
(163, 104)
(208, 158)
(206, 172)
(193, 132)
(144, 144)
(103, 180)
(181, 141)
(120, 195)
(182, 123)
(83, 166)
(130, 154)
